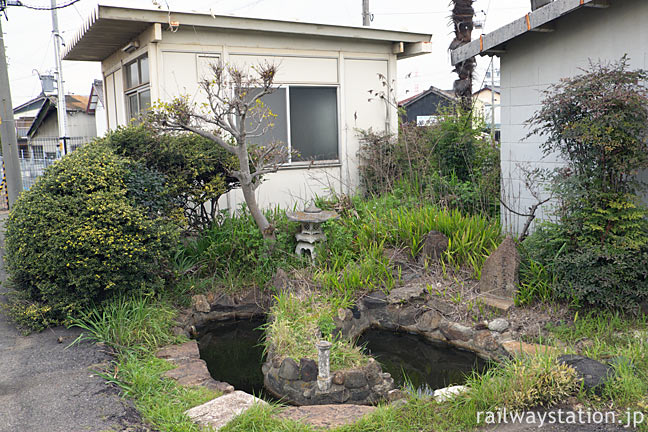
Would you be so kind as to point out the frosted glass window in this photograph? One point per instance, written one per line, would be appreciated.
(144, 69)
(314, 123)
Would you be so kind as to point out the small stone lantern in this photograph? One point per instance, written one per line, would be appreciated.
(311, 220)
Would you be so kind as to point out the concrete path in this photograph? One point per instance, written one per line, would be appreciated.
(47, 387)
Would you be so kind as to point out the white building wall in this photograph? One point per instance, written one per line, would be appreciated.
(534, 61)
(182, 59)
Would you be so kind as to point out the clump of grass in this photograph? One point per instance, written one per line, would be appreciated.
(234, 254)
(263, 418)
(128, 323)
(345, 280)
(525, 382)
(298, 324)
(611, 335)
(471, 238)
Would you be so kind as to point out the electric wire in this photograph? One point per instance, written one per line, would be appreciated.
(48, 8)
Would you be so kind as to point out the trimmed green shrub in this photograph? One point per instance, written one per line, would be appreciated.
(90, 228)
(603, 277)
(195, 170)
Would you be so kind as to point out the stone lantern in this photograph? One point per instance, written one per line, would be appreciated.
(311, 219)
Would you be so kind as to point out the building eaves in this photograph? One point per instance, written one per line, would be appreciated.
(540, 20)
(110, 28)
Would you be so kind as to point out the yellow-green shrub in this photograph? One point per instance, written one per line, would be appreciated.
(91, 227)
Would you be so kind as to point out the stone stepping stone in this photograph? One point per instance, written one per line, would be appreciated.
(218, 412)
(327, 416)
(516, 348)
(191, 370)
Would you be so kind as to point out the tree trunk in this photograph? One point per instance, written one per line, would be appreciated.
(462, 18)
(247, 186)
(262, 222)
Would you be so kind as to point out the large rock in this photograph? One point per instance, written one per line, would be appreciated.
(500, 274)
(447, 393)
(592, 373)
(200, 303)
(190, 369)
(456, 331)
(218, 412)
(498, 325)
(428, 321)
(308, 370)
(434, 244)
(178, 353)
(407, 294)
(355, 379)
(289, 369)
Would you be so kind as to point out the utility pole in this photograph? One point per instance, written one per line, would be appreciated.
(8, 128)
(60, 106)
(493, 99)
(366, 15)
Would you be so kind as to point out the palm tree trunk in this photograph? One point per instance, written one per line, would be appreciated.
(462, 18)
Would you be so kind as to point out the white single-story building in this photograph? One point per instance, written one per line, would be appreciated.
(552, 42)
(325, 73)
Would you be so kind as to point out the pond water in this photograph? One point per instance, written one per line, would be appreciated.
(233, 351)
(411, 357)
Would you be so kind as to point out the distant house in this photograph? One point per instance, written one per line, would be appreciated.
(97, 107)
(324, 75)
(552, 42)
(483, 104)
(424, 107)
(38, 133)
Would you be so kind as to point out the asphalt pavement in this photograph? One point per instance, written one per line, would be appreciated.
(48, 386)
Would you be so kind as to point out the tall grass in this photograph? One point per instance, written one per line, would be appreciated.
(471, 237)
(128, 323)
(135, 328)
(234, 253)
(298, 324)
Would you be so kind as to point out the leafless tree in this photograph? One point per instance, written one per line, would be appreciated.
(233, 116)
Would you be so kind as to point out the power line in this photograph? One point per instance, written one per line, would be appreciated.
(48, 8)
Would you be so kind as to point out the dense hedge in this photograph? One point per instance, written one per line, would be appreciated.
(91, 227)
(196, 170)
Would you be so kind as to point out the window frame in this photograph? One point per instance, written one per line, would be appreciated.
(140, 88)
(304, 163)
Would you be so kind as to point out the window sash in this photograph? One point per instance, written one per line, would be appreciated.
(137, 72)
(289, 123)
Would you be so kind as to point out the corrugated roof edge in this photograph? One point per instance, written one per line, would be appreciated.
(111, 12)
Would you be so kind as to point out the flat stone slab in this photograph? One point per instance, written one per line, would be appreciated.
(515, 348)
(406, 294)
(191, 370)
(178, 353)
(327, 416)
(218, 412)
(499, 303)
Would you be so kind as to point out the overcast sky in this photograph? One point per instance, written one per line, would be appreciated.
(28, 36)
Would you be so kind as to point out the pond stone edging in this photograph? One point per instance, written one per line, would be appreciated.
(409, 309)
(297, 383)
